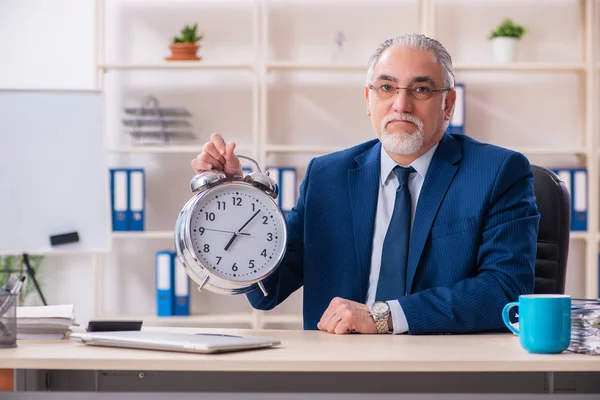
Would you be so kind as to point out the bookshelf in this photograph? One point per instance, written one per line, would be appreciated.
(290, 65)
(221, 319)
(523, 67)
(277, 73)
(579, 151)
(147, 234)
(164, 149)
(579, 235)
(519, 66)
(180, 65)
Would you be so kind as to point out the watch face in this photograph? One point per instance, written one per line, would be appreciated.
(380, 308)
(238, 232)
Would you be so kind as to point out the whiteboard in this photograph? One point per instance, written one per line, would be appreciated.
(53, 171)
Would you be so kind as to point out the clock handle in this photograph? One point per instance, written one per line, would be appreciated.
(262, 287)
(251, 160)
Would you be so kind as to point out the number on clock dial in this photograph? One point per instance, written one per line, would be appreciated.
(237, 232)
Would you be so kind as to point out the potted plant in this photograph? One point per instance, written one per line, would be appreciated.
(185, 47)
(11, 264)
(504, 39)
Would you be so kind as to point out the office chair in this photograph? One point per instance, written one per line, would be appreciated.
(554, 206)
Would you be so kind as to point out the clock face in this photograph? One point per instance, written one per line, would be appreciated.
(237, 232)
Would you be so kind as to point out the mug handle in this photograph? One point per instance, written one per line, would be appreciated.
(506, 318)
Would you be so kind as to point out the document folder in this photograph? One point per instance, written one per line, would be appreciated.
(164, 283)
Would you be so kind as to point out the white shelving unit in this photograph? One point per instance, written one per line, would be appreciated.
(220, 319)
(294, 66)
(164, 149)
(523, 67)
(262, 67)
(179, 65)
(143, 235)
(579, 235)
(270, 148)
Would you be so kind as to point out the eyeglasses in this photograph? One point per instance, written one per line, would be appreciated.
(387, 91)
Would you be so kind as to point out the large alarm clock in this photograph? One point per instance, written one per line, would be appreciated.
(231, 234)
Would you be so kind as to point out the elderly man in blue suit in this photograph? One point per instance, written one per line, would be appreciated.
(418, 231)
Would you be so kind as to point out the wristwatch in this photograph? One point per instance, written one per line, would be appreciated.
(380, 311)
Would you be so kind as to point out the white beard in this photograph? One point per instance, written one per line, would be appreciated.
(402, 142)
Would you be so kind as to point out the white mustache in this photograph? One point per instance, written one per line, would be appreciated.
(402, 117)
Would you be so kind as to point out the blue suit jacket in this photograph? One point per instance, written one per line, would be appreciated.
(473, 243)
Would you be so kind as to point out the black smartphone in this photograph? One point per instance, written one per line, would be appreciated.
(115, 325)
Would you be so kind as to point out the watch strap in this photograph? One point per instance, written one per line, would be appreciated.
(382, 325)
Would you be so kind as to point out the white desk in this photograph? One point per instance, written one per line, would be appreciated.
(310, 353)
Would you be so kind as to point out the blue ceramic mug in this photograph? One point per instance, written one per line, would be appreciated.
(544, 322)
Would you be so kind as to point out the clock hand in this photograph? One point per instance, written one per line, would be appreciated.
(247, 222)
(235, 234)
(230, 241)
(219, 230)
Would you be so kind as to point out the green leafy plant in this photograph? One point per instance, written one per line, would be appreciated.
(188, 35)
(13, 264)
(508, 28)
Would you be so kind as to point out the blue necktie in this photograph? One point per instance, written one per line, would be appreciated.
(394, 256)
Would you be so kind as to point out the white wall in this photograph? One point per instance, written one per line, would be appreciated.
(47, 44)
(50, 45)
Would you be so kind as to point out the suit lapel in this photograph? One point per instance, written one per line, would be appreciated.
(440, 173)
(363, 188)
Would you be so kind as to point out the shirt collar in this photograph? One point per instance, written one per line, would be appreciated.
(421, 164)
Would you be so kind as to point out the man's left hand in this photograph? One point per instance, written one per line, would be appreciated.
(344, 316)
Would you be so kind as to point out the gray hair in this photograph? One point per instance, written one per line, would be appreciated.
(420, 42)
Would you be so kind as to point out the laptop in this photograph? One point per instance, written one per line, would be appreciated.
(183, 342)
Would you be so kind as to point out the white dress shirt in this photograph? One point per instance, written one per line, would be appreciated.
(385, 207)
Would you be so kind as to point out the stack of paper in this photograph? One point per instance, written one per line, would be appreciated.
(45, 322)
(585, 326)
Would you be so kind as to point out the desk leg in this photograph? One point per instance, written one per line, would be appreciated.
(7, 380)
(550, 381)
(96, 381)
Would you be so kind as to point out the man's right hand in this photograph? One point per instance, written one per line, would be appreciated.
(218, 155)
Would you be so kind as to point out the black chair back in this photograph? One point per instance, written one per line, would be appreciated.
(554, 206)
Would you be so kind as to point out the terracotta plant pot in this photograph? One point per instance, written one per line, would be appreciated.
(183, 52)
